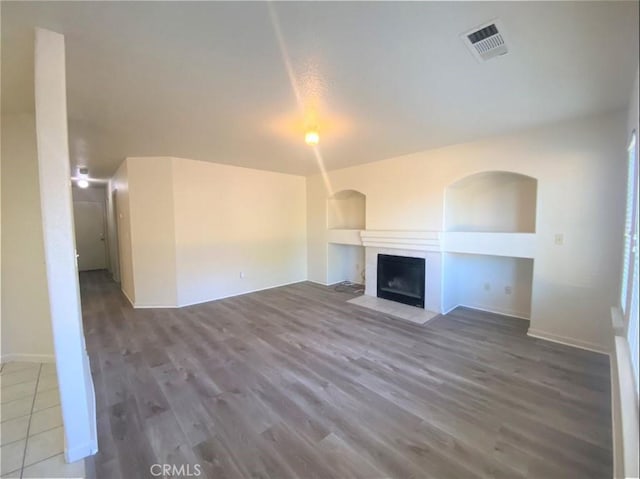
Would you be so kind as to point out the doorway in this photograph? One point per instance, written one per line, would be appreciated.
(90, 235)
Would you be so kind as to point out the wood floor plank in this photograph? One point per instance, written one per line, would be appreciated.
(294, 382)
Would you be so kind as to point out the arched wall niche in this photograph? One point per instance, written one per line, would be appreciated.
(492, 201)
(346, 209)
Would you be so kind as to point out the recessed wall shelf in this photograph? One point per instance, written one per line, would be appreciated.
(492, 201)
(346, 211)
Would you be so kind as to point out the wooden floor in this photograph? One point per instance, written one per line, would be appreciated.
(295, 382)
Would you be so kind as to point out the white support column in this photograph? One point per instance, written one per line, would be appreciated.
(74, 376)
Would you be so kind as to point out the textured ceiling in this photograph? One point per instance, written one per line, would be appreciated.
(237, 82)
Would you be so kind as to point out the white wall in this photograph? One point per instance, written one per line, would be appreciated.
(120, 185)
(26, 322)
(151, 211)
(580, 173)
(231, 220)
(77, 396)
(317, 246)
(201, 231)
(633, 113)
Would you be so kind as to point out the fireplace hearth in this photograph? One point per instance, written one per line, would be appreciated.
(401, 279)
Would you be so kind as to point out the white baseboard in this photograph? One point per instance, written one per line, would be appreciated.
(503, 312)
(208, 300)
(28, 358)
(80, 452)
(576, 343)
(127, 296)
(156, 306)
(182, 305)
(332, 284)
(511, 314)
(447, 311)
(535, 333)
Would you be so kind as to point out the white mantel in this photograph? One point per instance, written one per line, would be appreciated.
(407, 240)
(515, 245)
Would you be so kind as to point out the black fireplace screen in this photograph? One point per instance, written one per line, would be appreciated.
(401, 279)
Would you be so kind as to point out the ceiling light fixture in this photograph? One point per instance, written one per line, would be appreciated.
(311, 137)
(82, 178)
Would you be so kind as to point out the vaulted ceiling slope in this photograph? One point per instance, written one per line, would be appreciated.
(238, 82)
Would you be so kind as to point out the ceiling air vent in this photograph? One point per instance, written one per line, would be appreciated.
(487, 41)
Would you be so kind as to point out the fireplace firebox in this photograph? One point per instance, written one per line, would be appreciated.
(401, 279)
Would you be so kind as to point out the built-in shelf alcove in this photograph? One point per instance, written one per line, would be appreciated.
(500, 284)
(345, 263)
(346, 212)
(492, 201)
(489, 242)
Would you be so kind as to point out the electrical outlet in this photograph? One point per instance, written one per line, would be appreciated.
(241, 275)
(558, 239)
(487, 286)
(507, 290)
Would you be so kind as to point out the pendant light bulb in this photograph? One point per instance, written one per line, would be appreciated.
(311, 137)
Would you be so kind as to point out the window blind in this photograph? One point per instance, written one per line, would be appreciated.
(630, 286)
(628, 226)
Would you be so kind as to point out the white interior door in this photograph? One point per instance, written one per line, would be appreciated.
(89, 222)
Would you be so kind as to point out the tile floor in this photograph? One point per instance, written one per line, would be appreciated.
(31, 434)
(392, 308)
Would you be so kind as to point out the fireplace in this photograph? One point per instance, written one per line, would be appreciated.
(401, 279)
